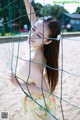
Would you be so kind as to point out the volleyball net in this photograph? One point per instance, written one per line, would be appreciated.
(11, 27)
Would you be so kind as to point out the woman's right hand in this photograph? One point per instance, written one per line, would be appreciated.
(13, 79)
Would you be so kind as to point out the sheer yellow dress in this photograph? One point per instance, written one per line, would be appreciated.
(33, 110)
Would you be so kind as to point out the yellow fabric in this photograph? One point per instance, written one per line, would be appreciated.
(33, 110)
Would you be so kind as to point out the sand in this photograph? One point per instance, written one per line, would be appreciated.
(11, 98)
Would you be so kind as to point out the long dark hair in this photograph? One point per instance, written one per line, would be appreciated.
(51, 52)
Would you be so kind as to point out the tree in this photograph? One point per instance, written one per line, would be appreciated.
(78, 10)
(15, 12)
(37, 8)
(53, 10)
(45, 11)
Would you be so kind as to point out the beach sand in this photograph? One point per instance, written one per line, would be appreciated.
(11, 98)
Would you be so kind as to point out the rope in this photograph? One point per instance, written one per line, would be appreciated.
(43, 65)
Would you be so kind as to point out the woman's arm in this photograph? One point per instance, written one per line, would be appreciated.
(29, 9)
(32, 86)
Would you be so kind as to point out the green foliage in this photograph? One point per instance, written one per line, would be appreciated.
(37, 8)
(55, 11)
(78, 10)
(0, 11)
(15, 12)
(45, 11)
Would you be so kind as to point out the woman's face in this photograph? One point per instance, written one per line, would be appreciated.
(38, 35)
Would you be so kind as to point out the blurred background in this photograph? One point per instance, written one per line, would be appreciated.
(14, 19)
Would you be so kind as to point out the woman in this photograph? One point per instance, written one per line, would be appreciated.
(43, 49)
